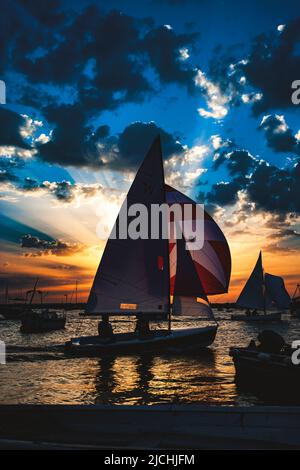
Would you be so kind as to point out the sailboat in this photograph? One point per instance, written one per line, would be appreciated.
(262, 291)
(157, 277)
(295, 304)
(33, 321)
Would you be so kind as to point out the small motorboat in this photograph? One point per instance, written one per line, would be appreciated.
(267, 366)
(40, 322)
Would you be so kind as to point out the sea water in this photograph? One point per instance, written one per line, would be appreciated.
(37, 370)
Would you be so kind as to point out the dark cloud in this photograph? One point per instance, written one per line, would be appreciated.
(179, 2)
(270, 188)
(7, 167)
(77, 66)
(46, 247)
(274, 189)
(105, 56)
(10, 124)
(224, 193)
(238, 162)
(63, 191)
(74, 144)
(270, 68)
(285, 233)
(7, 176)
(136, 139)
(163, 46)
(24, 30)
(47, 12)
(221, 72)
(278, 135)
(273, 65)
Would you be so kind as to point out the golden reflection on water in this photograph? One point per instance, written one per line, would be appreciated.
(146, 379)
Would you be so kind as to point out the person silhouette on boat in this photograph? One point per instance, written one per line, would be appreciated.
(270, 342)
(142, 328)
(105, 329)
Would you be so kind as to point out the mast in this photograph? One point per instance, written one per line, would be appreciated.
(6, 293)
(33, 291)
(168, 257)
(264, 286)
(76, 291)
(296, 291)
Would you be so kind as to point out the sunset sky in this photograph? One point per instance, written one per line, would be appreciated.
(89, 86)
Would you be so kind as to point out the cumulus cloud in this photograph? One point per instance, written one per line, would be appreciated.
(11, 125)
(63, 191)
(46, 247)
(74, 144)
(217, 102)
(92, 62)
(278, 135)
(166, 49)
(184, 171)
(264, 76)
(79, 68)
(268, 187)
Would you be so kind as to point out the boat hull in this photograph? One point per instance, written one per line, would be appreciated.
(161, 341)
(272, 373)
(257, 318)
(41, 325)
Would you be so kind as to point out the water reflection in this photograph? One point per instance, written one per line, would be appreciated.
(38, 373)
(151, 379)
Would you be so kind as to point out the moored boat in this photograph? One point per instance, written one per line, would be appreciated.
(267, 366)
(41, 322)
(261, 317)
(157, 276)
(295, 303)
(33, 321)
(262, 292)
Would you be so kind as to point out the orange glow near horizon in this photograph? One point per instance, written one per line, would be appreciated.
(58, 274)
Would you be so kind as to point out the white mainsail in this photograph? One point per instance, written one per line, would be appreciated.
(133, 275)
(192, 307)
(276, 292)
(252, 295)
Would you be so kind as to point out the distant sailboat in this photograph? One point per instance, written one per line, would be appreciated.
(157, 277)
(262, 292)
(295, 304)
